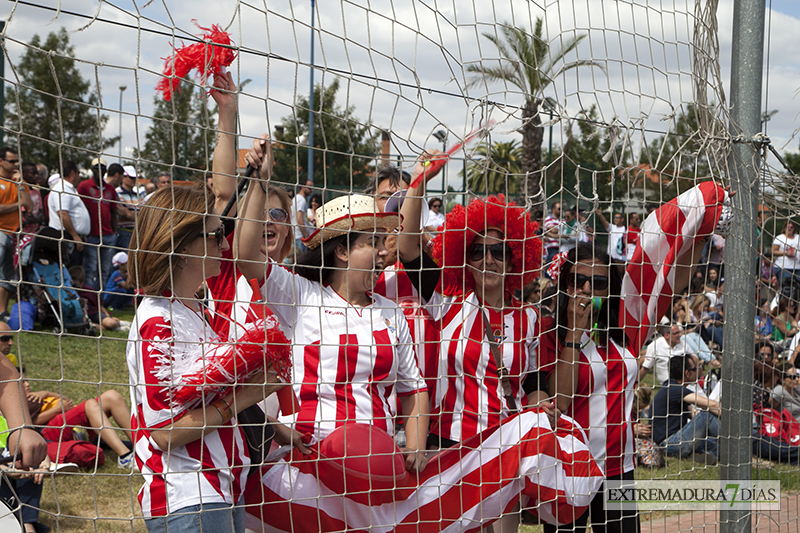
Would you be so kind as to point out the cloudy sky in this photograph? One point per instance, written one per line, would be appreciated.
(391, 56)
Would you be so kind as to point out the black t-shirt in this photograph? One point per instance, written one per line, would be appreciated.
(670, 413)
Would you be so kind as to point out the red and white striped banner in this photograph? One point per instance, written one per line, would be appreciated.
(463, 488)
(669, 232)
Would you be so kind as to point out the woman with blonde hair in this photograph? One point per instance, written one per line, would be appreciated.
(192, 455)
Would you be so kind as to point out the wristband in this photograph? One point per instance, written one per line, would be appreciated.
(223, 408)
(573, 345)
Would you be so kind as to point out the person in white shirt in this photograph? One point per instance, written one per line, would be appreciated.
(298, 216)
(785, 257)
(435, 218)
(616, 235)
(67, 211)
(658, 354)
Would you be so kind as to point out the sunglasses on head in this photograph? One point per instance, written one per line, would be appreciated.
(579, 280)
(218, 234)
(5, 338)
(499, 251)
(276, 214)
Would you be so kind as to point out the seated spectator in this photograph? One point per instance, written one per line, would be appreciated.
(763, 321)
(434, 217)
(712, 279)
(119, 291)
(765, 375)
(59, 414)
(97, 313)
(647, 452)
(786, 393)
(679, 427)
(784, 323)
(658, 354)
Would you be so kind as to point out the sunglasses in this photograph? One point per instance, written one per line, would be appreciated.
(12, 161)
(436, 205)
(277, 214)
(5, 338)
(218, 234)
(693, 369)
(579, 280)
(787, 376)
(499, 251)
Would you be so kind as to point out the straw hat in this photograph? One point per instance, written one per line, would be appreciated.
(349, 213)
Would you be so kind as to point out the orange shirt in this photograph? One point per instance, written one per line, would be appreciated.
(9, 195)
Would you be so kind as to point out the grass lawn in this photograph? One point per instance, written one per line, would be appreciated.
(81, 368)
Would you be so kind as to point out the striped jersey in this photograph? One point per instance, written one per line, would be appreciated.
(603, 400)
(395, 285)
(166, 335)
(469, 396)
(349, 363)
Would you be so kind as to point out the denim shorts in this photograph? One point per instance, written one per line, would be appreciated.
(208, 517)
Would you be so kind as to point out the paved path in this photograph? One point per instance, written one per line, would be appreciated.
(787, 520)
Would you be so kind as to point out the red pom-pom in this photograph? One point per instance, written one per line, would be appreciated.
(262, 344)
(463, 225)
(207, 57)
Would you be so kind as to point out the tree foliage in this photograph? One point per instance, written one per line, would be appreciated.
(181, 136)
(496, 169)
(344, 145)
(529, 63)
(52, 111)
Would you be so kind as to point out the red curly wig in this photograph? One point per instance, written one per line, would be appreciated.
(463, 225)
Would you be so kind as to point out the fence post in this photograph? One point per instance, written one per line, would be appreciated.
(741, 258)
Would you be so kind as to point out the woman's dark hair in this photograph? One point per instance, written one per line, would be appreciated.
(608, 317)
(318, 264)
(316, 197)
(784, 368)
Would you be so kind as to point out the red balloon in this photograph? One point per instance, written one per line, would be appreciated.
(364, 452)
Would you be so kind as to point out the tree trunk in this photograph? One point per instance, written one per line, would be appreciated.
(532, 135)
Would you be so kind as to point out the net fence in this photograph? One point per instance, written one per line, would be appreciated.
(541, 316)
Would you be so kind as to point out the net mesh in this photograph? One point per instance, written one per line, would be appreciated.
(587, 115)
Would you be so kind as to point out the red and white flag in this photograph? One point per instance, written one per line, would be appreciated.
(669, 232)
(463, 488)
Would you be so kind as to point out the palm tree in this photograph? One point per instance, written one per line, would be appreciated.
(489, 172)
(529, 63)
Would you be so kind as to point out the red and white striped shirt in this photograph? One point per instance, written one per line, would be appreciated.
(395, 285)
(469, 397)
(222, 290)
(603, 400)
(349, 363)
(165, 336)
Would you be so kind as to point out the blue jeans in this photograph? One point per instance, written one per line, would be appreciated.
(124, 238)
(698, 435)
(96, 277)
(209, 517)
(7, 271)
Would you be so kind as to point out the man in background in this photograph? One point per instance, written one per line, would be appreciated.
(13, 201)
(68, 213)
(132, 196)
(101, 200)
(298, 216)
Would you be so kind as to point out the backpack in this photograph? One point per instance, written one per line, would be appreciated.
(82, 453)
(780, 425)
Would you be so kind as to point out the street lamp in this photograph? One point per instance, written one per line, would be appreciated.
(121, 90)
(311, 105)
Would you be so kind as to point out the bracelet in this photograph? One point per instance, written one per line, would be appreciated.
(225, 411)
(573, 345)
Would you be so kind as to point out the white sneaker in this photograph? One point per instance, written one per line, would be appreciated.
(129, 463)
(64, 468)
(124, 326)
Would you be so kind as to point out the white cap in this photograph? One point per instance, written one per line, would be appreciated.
(120, 258)
(130, 171)
(53, 179)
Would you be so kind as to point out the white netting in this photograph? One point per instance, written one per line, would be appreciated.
(602, 108)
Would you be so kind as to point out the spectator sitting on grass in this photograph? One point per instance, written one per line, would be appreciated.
(787, 394)
(60, 415)
(97, 313)
(119, 292)
(678, 427)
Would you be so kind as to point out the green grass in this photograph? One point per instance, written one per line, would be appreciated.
(81, 368)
